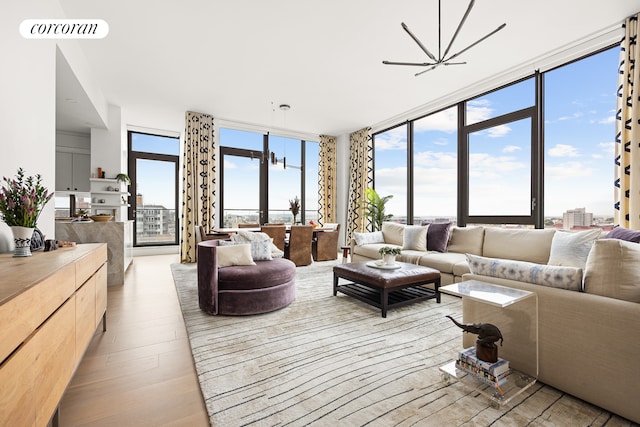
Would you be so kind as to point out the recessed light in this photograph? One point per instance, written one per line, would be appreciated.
(285, 107)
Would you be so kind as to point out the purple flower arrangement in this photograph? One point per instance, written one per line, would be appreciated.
(22, 199)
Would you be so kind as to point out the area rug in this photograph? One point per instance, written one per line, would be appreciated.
(333, 361)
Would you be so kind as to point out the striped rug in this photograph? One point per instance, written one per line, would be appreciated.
(334, 361)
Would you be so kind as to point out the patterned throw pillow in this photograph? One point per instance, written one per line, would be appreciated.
(260, 249)
(243, 236)
(415, 237)
(569, 278)
(368, 238)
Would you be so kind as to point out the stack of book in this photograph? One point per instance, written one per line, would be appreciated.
(494, 374)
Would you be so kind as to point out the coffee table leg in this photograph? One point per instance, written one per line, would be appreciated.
(335, 284)
(385, 301)
(437, 288)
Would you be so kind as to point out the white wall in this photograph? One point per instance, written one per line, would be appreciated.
(107, 145)
(27, 104)
(28, 101)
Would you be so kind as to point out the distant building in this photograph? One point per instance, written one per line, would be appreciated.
(577, 218)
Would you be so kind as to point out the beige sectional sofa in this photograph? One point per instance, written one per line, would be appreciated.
(588, 338)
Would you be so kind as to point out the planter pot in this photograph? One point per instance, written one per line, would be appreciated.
(389, 259)
(22, 238)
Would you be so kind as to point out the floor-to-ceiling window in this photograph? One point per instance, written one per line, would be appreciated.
(260, 173)
(537, 152)
(153, 169)
(390, 153)
(579, 129)
(435, 166)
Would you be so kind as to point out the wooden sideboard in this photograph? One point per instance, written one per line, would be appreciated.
(50, 306)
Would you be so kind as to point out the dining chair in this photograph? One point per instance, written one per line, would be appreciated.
(248, 225)
(325, 244)
(298, 249)
(277, 233)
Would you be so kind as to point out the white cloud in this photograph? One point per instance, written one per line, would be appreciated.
(499, 131)
(608, 148)
(567, 170)
(444, 121)
(563, 150)
(608, 120)
(429, 159)
(597, 156)
(511, 148)
(573, 116)
(229, 164)
(395, 139)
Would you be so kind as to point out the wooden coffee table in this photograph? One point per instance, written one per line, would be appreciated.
(387, 288)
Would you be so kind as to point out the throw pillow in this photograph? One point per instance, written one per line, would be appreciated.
(415, 237)
(613, 270)
(234, 255)
(393, 232)
(624, 234)
(368, 238)
(572, 248)
(438, 236)
(466, 240)
(260, 249)
(243, 236)
(569, 278)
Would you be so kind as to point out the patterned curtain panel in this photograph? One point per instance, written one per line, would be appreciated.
(198, 181)
(360, 178)
(627, 161)
(327, 180)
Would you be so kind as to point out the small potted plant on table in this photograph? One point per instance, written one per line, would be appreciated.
(389, 254)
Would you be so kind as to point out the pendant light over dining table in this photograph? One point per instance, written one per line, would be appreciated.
(274, 159)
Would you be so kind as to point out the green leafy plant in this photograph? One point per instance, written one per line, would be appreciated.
(389, 250)
(123, 177)
(375, 208)
(22, 199)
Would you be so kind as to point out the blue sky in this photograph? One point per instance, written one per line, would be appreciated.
(579, 143)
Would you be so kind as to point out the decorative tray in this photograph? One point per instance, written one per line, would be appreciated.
(381, 265)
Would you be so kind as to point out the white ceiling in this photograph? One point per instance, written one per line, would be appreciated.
(237, 60)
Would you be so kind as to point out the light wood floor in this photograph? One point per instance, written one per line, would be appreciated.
(140, 372)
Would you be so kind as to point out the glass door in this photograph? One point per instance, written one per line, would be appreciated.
(155, 202)
(153, 168)
(242, 178)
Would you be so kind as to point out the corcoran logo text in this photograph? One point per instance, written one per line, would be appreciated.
(64, 28)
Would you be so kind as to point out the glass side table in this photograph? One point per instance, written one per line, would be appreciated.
(515, 313)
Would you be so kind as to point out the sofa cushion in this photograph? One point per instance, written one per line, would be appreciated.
(569, 278)
(520, 244)
(466, 240)
(370, 250)
(624, 234)
(368, 238)
(234, 255)
(571, 248)
(613, 270)
(415, 237)
(393, 233)
(443, 261)
(438, 236)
